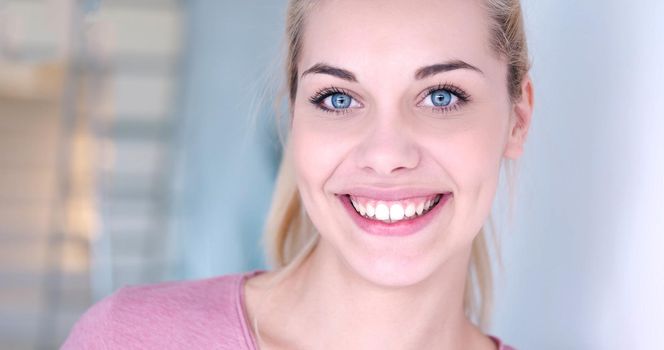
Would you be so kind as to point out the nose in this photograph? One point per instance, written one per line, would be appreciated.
(388, 148)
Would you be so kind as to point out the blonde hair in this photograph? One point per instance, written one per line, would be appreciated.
(290, 236)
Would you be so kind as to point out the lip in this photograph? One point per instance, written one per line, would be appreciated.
(391, 194)
(401, 228)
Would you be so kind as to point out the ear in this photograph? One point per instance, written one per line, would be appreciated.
(520, 119)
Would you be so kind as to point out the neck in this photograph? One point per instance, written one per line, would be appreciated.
(342, 309)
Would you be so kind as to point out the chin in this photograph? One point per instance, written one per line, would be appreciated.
(389, 276)
(391, 268)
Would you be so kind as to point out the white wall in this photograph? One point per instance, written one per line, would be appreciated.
(584, 268)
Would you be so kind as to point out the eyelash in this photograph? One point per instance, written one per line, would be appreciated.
(463, 98)
(320, 96)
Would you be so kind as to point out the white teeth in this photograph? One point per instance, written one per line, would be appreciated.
(362, 210)
(396, 212)
(382, 212)
(410, 210)
(371, 210)
(420, 208)
(393, 212)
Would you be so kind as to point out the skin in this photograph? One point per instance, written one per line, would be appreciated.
(360, 291)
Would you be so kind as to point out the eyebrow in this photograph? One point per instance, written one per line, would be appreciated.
(444, 67)
(322, 68)
(421, 73)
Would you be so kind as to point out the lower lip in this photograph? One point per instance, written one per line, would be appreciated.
(399, 228)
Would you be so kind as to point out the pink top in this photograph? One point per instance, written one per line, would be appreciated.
(200, 314)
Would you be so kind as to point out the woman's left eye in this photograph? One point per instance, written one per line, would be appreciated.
(440, 98)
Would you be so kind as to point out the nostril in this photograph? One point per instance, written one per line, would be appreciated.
(387, 155)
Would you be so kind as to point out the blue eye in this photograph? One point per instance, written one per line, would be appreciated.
(334, 101)
(445, 98)
(441, 98)
(340, 101)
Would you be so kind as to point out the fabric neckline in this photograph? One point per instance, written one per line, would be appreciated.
(247, 327)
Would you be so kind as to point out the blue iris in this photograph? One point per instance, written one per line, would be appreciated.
(340, 101)
(441, 98)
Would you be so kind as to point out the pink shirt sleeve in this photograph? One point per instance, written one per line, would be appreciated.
(203, 314)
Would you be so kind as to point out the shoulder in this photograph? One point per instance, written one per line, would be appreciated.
(201, 314)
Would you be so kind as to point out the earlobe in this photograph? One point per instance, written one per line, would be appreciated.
(520, 120)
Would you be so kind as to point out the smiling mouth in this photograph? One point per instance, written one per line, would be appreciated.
(394, 211)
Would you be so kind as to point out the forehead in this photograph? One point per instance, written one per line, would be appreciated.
(371, 37)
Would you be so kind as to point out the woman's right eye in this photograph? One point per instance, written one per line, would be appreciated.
(334, 100)
(338, 101)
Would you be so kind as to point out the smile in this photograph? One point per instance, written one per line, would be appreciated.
(393, 211)
(395, 217)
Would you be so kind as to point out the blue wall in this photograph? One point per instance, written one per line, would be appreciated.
(227, 165)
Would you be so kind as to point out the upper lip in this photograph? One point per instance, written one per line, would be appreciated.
(391, 194)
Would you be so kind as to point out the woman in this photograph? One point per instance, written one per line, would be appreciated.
(401, 114)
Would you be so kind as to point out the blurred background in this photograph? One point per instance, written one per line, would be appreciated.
(128, 155)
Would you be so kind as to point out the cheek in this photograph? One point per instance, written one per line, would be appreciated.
(477, 150)
(474, 156)
(316, 154)
(471, 156)
(304, 148)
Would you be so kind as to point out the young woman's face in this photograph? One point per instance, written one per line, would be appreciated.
(400, 121)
